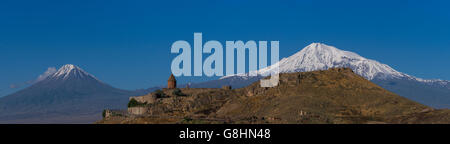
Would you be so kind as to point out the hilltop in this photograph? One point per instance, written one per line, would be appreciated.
(337, 96)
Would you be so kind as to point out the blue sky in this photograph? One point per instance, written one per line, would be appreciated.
(127, 43)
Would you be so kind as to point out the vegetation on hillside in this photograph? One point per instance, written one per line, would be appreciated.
(177, 92)
(135, 103)
(160, 94)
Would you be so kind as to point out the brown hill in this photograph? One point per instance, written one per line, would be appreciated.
(428, 116)
(333, 96)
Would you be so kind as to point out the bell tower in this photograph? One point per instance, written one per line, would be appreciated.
(172, 82)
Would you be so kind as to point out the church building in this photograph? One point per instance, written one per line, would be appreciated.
(172, 82)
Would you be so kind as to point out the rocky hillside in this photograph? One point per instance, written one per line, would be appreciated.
(337, 96)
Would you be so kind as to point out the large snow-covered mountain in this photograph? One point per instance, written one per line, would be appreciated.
(70, 95)
(318, 56)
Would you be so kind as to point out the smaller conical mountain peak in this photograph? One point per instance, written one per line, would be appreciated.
(68, 67)
(70, 70)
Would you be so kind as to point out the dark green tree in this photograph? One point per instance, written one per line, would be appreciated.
(135, 103)
(160, 94)
(177, 92)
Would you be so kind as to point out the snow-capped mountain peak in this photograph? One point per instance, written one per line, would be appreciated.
(322, 52)
(319, 56)
(70, 70)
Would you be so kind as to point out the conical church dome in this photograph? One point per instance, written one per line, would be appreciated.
(172, 78)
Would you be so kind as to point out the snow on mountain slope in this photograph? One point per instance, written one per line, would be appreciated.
(317, 56)
(70, 71)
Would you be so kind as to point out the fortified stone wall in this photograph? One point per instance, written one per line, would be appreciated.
(137, 110)
(144, 99)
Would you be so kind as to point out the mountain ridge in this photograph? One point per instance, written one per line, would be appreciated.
(319, 56)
